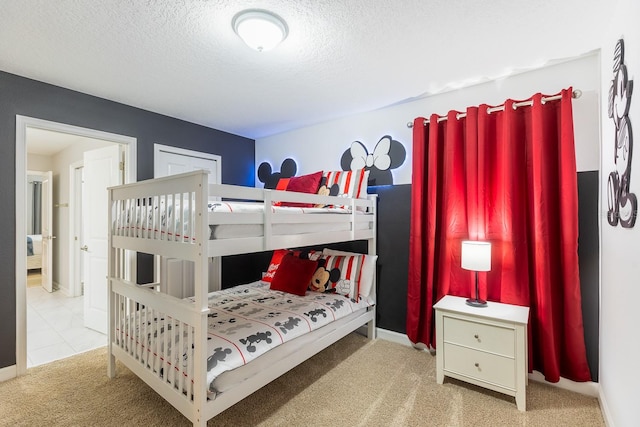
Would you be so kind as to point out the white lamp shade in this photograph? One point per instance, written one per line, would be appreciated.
(260, 30)
(476, 255)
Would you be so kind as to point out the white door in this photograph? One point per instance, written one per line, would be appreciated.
(101, 170)
(172, 160)
(176, 278)
(47, 231)
(76, 244)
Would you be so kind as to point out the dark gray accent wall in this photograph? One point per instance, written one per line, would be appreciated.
(589, 259)
(21, 96)
(394, 214)
(394, 210)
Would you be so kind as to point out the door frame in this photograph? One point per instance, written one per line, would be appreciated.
(75, 213)
(157, 148)
(22, 123)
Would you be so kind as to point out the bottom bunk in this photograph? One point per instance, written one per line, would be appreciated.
(254, 335)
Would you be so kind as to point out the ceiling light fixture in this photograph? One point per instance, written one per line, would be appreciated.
(260, 29)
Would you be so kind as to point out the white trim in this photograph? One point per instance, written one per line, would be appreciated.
(393, 336)
(22, 123)
(8, 373)
(157, 148)
(606, 413)
(75, 290)
(588, 388)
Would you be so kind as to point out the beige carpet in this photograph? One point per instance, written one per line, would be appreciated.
(355, 382)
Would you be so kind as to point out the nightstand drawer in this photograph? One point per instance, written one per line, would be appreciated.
(479, 365)
(495, 339)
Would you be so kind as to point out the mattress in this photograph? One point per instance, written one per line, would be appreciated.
(160, 223)
(244, 323)
(228, 231)
(233, 231)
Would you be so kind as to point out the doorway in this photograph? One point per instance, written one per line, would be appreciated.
(64, 201)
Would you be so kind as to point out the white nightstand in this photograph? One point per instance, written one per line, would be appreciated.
(485, 346)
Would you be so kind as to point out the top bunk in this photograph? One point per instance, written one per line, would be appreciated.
(180, 216)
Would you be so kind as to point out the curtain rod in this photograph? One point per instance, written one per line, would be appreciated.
(575, 94)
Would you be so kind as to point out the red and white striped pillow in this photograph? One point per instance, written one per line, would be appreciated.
(352, 184)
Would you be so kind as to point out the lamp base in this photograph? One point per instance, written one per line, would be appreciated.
(476, 302)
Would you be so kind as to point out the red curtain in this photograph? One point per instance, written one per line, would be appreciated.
(508, 177)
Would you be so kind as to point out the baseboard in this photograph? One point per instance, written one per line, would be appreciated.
(589, 388)
(398, 338)
(605, 409)
(64, 290)
(8, 373)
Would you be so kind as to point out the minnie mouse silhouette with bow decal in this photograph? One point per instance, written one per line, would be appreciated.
(388, 154)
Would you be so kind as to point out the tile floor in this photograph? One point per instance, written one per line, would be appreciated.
(55, 327)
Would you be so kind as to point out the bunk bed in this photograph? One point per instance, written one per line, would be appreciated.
(170, 343)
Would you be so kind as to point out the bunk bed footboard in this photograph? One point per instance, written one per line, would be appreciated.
(154, 335)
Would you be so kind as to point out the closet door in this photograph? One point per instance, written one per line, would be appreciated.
(176, 277)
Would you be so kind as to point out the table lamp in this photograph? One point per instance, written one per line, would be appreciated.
(476, 256)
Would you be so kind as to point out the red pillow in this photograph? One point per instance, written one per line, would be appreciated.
(293, 275)
(282, 184)
(276, 259)
(304, 184)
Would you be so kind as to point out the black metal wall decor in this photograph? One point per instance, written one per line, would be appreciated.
(388, 154)
(288, 168)
(622, 204)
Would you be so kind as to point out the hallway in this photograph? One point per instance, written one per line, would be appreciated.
(55, 326)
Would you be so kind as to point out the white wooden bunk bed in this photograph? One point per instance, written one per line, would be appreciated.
(139, 311)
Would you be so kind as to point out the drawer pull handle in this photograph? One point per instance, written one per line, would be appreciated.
(476, 336)
(477, 365)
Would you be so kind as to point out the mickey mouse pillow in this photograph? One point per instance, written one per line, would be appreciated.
(340, 274)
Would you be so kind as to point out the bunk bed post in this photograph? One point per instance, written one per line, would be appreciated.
(372, 248)
(268, 211)
(201, 298)
(111, 362)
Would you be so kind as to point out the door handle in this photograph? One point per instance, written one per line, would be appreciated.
(85, 248)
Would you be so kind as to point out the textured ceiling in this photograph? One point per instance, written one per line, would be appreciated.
(181, 57)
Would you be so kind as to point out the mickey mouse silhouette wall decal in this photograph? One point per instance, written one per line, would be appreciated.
(288, 168)
(623, 205)
(388, 154)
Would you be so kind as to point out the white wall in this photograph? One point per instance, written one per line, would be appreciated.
(37, 162)
(320, 147)
(620, 280)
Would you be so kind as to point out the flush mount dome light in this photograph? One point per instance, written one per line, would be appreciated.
(259, 29)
